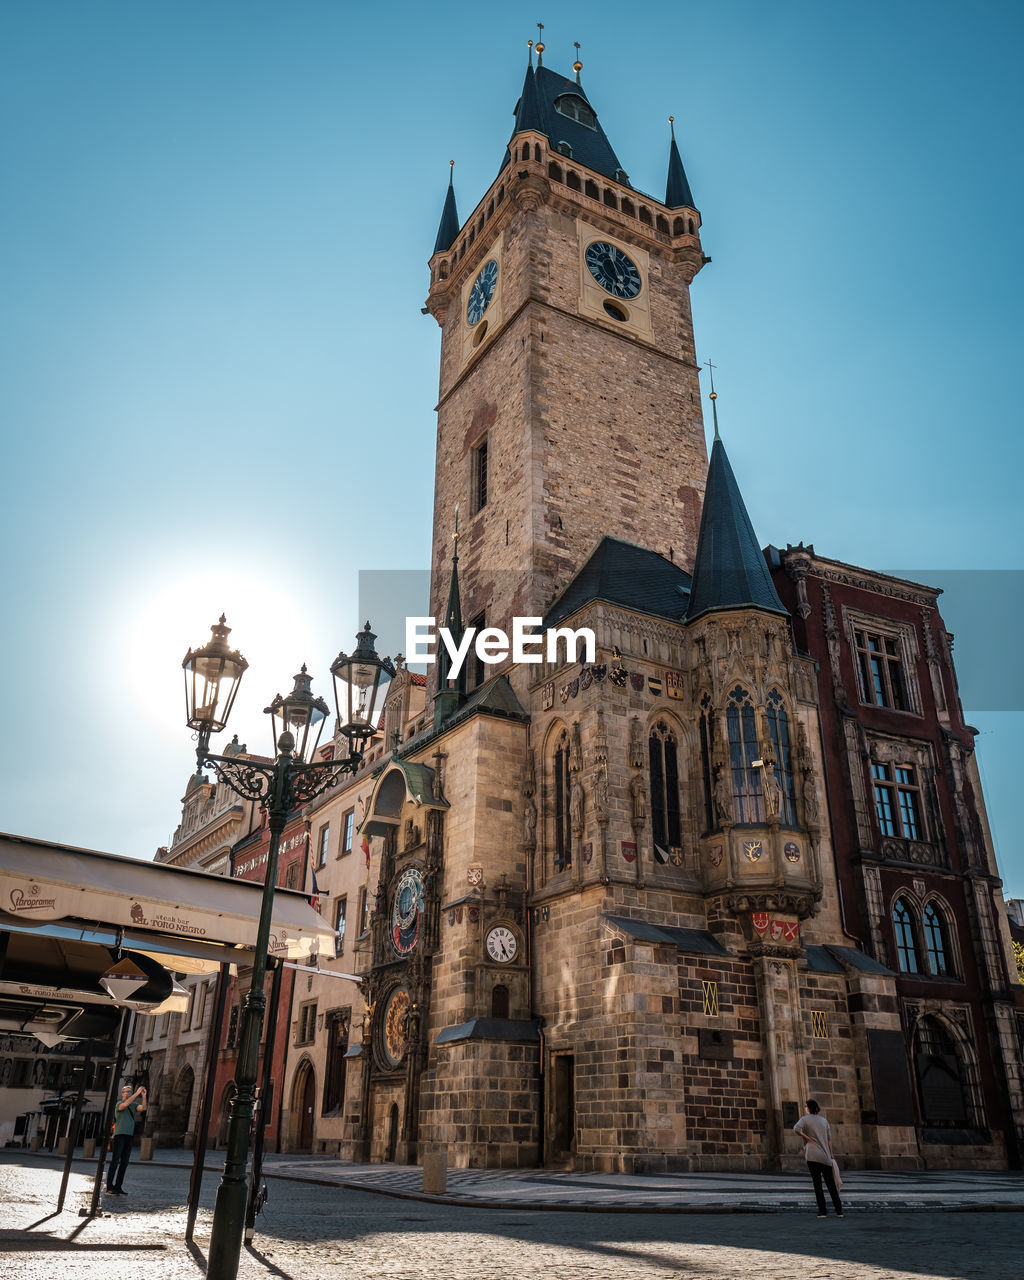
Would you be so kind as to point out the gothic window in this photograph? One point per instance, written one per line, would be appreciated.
(572, 180)
(479, 476)
(880, 669)
(940, 1077)
(499, 1001)
(707, 755)
(340, 908)
(590, 189)
(936, 942)
(334, 1078)
(627, 206)
(906, 939)
(576, 108)
(748, 797)
(665, 821)
(560, 786)
(897, 800)
(555, 170)
(778, 728)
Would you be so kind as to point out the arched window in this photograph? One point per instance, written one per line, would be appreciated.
(576, 108)
(748, 797)
(936, 940)
(560, 785)
(778, 727)
(707, 754)
(665, 824)
(940, 1077)
(906, 941)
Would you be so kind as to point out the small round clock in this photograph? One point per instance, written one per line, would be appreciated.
(613, 269)
(482, 292)
(501, 944)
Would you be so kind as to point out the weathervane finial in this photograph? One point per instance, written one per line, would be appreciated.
(713, 397)
(540, 44)
(577, 66)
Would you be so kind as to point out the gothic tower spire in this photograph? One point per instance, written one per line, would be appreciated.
(677, 189)
(448, 229)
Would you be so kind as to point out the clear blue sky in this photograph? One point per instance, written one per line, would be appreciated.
(215, 231)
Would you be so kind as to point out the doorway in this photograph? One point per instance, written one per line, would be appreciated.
(393, 1133)
(303, 1101)
(562, 1115)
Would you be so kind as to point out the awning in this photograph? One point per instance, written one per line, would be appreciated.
(42, 883)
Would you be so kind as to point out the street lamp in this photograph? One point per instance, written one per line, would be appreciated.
(212, 676)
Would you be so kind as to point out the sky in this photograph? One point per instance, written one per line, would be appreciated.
(218, 389)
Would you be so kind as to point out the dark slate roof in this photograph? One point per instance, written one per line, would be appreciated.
(820, 961)
(858, 960)
(448, 229)
(623, 573)
(692, 940)
(677, 189)
(535, 112)
(729, 570)
(491, 1029)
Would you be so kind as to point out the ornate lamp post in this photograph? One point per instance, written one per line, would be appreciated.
(212, 676)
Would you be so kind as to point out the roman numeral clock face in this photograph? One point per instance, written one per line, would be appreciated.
(614, 270)
(482, 292)
(501, 944)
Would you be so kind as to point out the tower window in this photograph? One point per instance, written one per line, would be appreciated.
(880, 670)
(665, 820)
(562, 783)
(576, 108)
(748, 797)
(935, 940)
(778, 728)
(564, 149)
(479, 476)
(616, 312)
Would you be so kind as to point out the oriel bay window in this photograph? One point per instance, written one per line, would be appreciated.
(665, 822)
(748, 797)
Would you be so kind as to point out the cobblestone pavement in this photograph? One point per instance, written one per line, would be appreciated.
(329, 1232)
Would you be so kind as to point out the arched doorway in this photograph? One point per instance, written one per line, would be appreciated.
(393, 1132)
(180, 1107)
(303, 1101)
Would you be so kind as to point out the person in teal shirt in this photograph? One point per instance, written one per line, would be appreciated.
(124, 1130)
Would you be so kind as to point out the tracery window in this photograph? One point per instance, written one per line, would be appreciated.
(940, 1077)
(748, 797)
(561, 784)
(935, 940)
(906, 941)
(707, 755)
(665, 821)
(778, 728)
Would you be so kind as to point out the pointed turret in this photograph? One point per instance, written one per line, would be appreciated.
(450, 696)
(528, 113)
(449, 227)
(729, 571)
(677, 190)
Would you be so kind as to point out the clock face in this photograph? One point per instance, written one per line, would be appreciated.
(393, 1037)
(501, 944)
(482, 292)
(406, 909)
(613, 270)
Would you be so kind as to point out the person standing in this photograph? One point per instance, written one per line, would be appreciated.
(814, 1129)
(124, 1130)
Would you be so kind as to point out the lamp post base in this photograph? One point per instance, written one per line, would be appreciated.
(229, 1225)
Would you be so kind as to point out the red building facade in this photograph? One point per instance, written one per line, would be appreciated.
(920, 889)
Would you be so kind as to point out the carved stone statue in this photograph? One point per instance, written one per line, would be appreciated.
(601, 796)
(576, 805)
(772, 790)
(636, 744)
(812, 813)
(723, 793)
(638, 796)
(575, 748)
(530, 822)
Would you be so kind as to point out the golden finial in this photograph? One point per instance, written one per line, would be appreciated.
(529, 45)
(577, 66)
(456, 522)
(713, 396)
(540, 44)
(672, 126)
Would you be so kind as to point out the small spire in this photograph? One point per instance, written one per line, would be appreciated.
(540, 44)
(529, 44)
(577, 66)
(713, 397)
(448, 228)
(677, 189)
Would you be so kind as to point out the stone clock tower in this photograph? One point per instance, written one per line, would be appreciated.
(569, 404)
